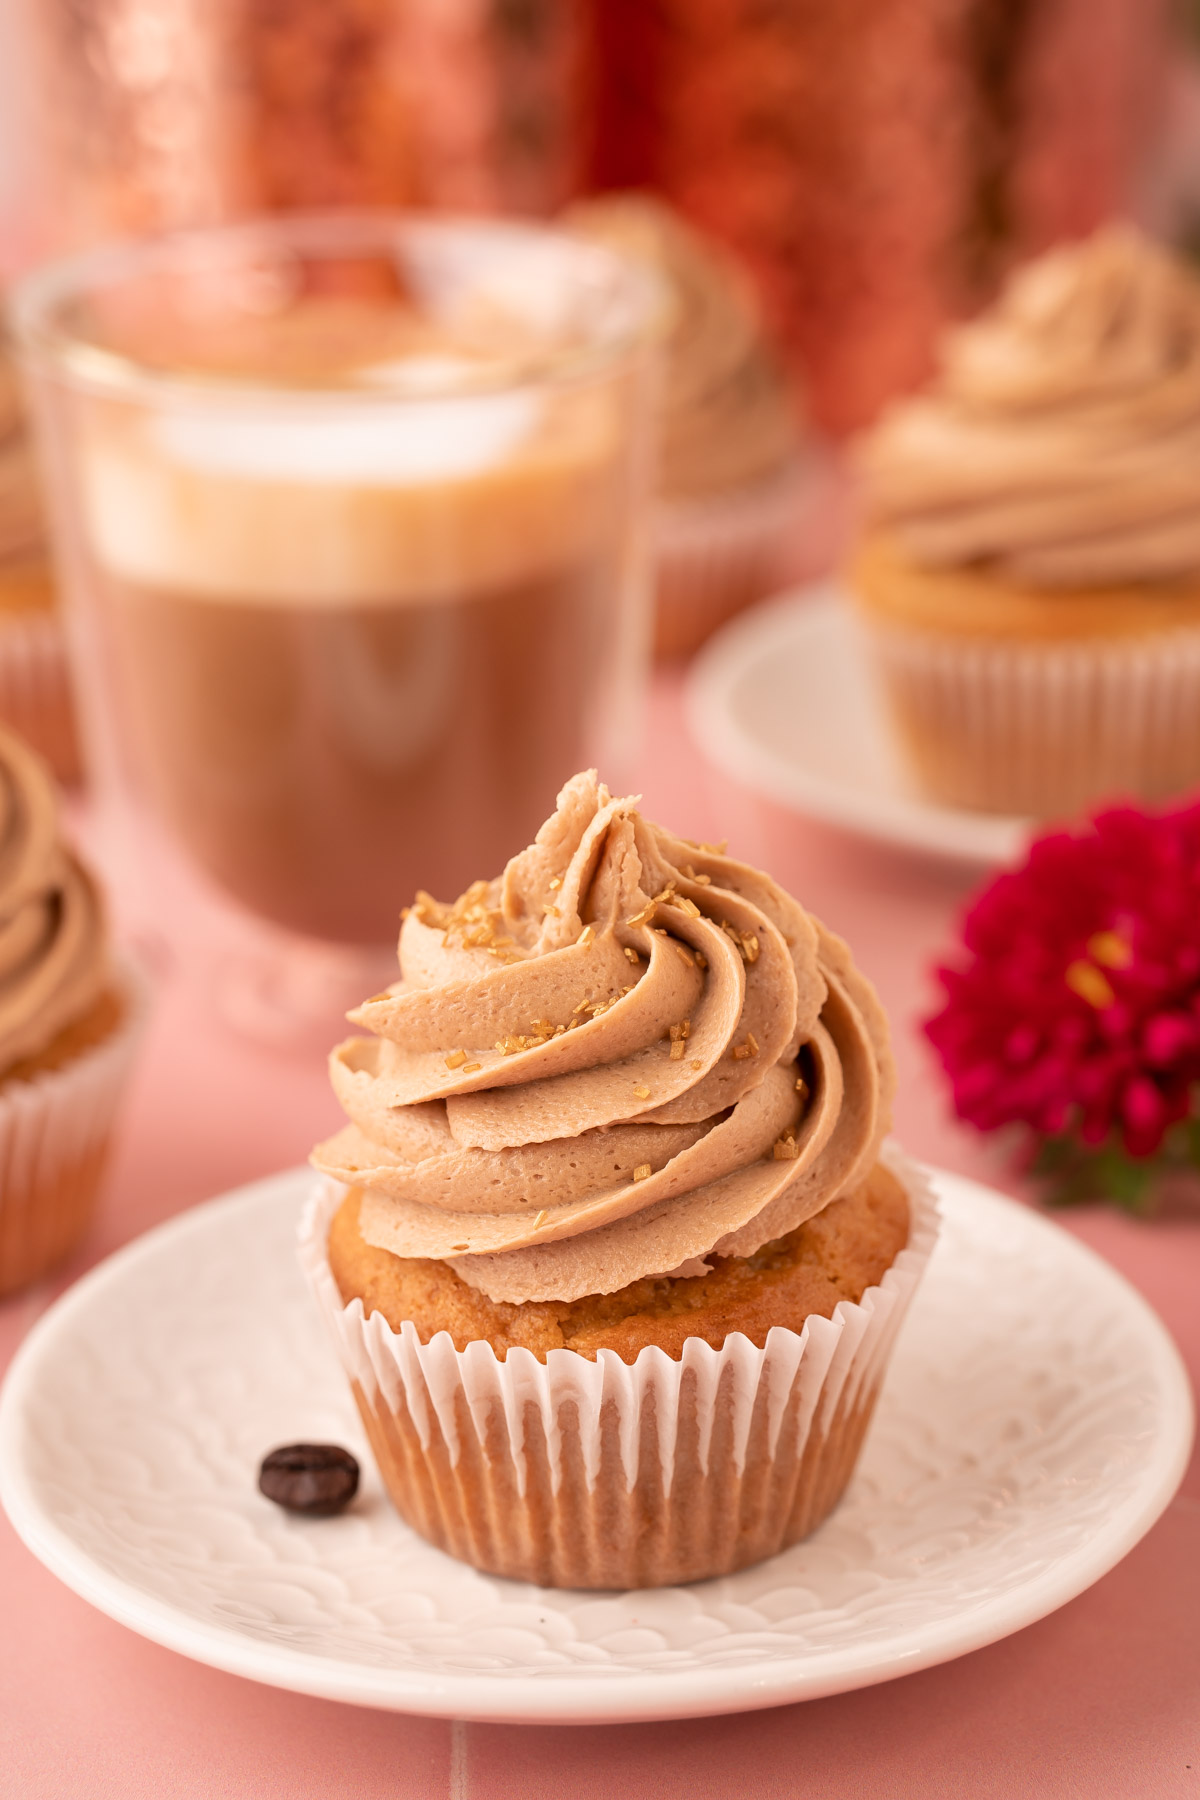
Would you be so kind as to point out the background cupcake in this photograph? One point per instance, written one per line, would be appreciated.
(617, 1258)
(35, 694)
(68, 1025)
(734, 468)
(1030, 571)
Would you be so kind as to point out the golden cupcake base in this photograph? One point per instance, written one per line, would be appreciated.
(590, 1471)
(57, 1111)
(1010, 700)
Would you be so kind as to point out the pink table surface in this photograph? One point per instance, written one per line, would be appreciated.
(1102, 1698)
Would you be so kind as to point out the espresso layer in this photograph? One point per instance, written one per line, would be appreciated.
(322, 762)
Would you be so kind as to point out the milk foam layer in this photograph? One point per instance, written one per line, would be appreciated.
(294, 504)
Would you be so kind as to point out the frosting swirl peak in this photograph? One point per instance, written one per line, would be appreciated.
(1061, 441)
(727, 417)
(624, 1054)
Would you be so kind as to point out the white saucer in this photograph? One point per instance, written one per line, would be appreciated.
(782, 701)
(1036, 1422)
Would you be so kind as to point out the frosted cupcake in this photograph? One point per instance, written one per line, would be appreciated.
(68, 1024)
(734, 470)
(35, 694)
(612, 1250)
(1030, 572)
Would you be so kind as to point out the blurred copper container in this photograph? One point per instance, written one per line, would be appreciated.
(879, 163)
(165, 113)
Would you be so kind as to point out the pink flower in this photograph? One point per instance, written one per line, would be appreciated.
(1077, 1008)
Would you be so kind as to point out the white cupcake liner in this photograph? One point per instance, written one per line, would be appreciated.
(1044, 729)
(715, 556)
(35, 689)
(602, 1474)
(54, 1135)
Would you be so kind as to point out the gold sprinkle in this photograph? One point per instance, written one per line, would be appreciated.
(685, 953)
(714, 849)
(642, 1092)
(677, 1050)
(377, 998)
(1110, 949)
(752, 1043)
(555, 883)
(642, 1172)
(785, 1149)
(746, 1049)
(456, 1059)
(802, 1087)
(471, 1068)
(632, 954)
(701, 960)
(540, 1220)
(1090, 983)
(551, 912)
(458, 1246)
(697, 1065)
(701, 879)
(587, 936)
(746, 941)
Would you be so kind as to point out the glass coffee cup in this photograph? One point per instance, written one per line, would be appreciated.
(351, 519)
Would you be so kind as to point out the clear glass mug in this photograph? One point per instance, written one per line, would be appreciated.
(351, 517)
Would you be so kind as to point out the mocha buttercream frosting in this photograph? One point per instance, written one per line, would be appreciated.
(624, 1054)
(53, 942)
(1060, 443)
(727, 418)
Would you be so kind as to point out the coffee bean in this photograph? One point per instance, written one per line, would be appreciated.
(317, 1479)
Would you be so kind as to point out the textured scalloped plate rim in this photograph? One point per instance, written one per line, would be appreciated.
(806, 636)
(584, 1695)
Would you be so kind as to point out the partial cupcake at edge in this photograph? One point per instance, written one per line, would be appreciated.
(738, 474)
(35, 689)
(1029, 572)
(613, 1249)
(70, 1015)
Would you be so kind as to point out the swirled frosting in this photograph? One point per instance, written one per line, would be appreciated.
(624, 1054)
(53, 942)
(1061, 442)
(727, 417)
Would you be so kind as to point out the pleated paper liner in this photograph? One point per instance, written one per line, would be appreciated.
(1043, 729)
(599, 1474)
(715, 556)
(55, 1131)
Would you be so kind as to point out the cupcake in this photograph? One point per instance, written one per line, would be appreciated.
(68, 1023)
(734, 472)
(613, 1251)
(35, 694)
(1029, 575)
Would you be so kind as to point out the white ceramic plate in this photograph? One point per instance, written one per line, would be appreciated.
(782, 700)
(1035, 1423)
